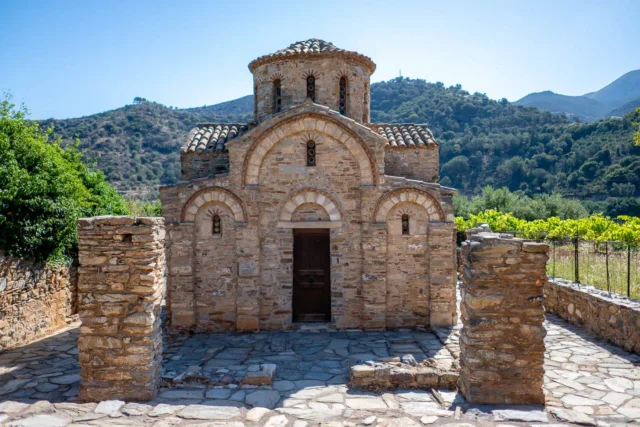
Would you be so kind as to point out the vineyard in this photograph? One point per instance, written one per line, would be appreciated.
(596, 250)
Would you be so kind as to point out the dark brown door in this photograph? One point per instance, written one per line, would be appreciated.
(311, 276)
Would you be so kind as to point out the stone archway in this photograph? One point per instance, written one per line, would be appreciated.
(309, 123)
(411, 195)
(213, 194)
(310, 196)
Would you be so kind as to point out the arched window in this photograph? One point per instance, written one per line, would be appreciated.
(405, 225)
(277, 96)
(217, 225)
(311, 153)
(343, 95)
(311, 87)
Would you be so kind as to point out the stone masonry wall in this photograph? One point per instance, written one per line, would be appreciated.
(201, 165)
(327, 72)
(121, 285)
(421, 164)
(35, 300)
(502, 337)
(613, 318)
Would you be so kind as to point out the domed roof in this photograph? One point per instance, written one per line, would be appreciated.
(312, 48)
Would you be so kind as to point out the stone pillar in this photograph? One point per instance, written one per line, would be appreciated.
(248, 296)
(121, 285)
(374, 283)
(502, 337)
(442, 274)
(180, 276)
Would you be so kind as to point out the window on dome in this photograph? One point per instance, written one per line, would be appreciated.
(311, 87)
(343, 95)
(277, 96)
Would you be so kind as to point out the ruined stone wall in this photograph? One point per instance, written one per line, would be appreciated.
(421, 164)
(327, 72)
(201, 165)
(610, 317)
(502, 337)
(35, 300)
(121, 286)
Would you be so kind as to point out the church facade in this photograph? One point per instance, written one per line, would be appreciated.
(310, 213)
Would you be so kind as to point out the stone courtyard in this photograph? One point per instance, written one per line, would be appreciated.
(587, 382)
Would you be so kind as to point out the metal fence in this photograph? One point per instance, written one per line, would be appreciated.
(612, 266)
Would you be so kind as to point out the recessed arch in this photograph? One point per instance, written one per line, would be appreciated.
(213, 194)
(306, 123)
(310, 196)
(412, 195)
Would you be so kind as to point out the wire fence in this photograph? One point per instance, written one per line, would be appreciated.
(612, 266)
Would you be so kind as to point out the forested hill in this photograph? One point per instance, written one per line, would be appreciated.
(483, 142)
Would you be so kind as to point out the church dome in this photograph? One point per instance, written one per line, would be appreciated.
(313, 48)
(312, 69)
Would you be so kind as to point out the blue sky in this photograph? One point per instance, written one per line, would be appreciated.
(74, 58)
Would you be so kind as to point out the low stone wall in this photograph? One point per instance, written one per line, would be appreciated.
(502, 337)
(121, 284)
(35, 300)
(610, 317)
(391, 373)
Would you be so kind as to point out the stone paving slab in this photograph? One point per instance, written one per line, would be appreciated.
(587, 382)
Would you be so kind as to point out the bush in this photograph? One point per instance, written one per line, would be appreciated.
(44, 189)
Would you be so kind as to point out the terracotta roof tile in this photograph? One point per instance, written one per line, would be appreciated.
(311, 47)
(405, 135)
(212, 137)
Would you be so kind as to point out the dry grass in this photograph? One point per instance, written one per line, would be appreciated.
(592, 266)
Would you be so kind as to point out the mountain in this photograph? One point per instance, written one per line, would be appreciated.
(573, 106)
(620, 91)
(614, 100)
(483, 142)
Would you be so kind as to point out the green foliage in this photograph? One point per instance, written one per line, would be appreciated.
(636, 138)
(540, 206)
(144, 208)
(595, 227)
(44, 189)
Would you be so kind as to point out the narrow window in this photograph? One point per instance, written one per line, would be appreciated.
(365, 112)
(311, 153)
(255, 102)
(277, 96)
(217, 225)
(405, 225)
(343, 95)
(311, 88)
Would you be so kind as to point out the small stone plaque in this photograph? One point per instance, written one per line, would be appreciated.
(246, 269)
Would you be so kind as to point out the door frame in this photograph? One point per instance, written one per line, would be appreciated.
(312, 231)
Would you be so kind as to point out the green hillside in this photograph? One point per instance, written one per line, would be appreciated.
(483, 142)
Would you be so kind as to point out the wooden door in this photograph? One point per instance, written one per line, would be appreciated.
(311, 276)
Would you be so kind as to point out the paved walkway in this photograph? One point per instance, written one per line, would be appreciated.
(586, 381)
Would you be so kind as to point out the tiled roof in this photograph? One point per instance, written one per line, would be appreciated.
(212, 137)
(405, 135)
(311, 47)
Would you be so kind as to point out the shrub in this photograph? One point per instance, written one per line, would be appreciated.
(44, 189)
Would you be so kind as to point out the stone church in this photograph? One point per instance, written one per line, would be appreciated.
(310, 213)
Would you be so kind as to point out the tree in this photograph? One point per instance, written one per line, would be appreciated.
(44, 189)
(637, 137)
